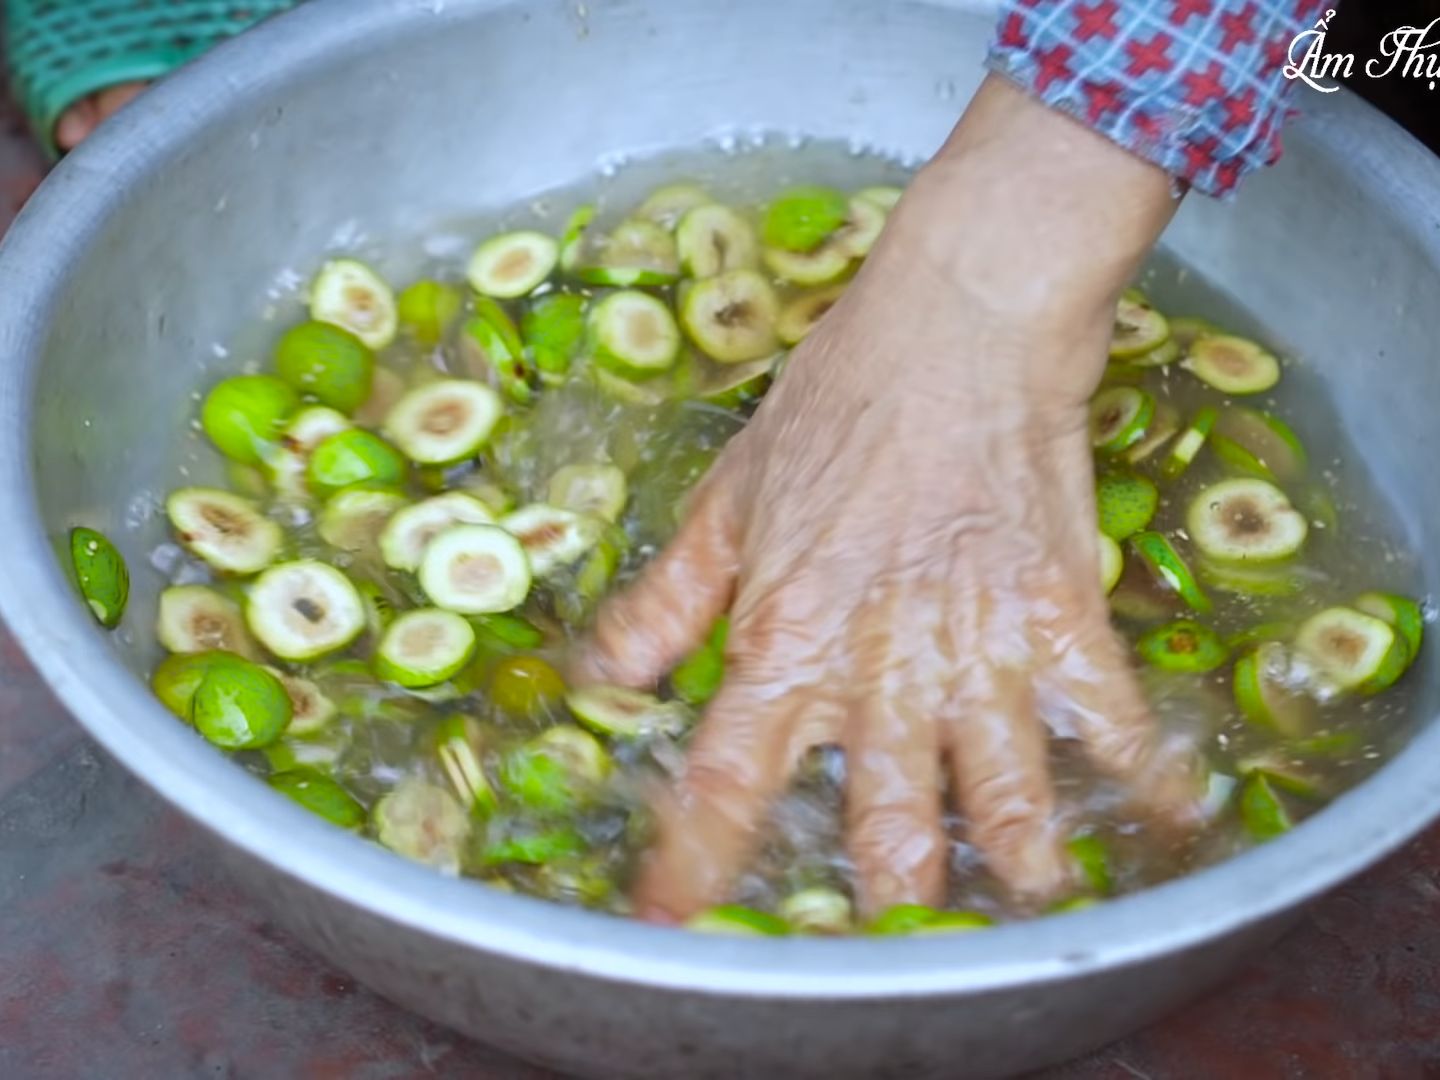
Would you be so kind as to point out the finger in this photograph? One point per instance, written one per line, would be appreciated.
(892, 805)
(1092, 685)
(112, 99)
(76, 124)
(642, 633)
(742, 754)
(998, 751)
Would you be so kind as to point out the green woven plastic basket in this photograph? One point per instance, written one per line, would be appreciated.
(61, 50)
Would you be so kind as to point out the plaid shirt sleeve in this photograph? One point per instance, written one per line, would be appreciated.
(1193, 85)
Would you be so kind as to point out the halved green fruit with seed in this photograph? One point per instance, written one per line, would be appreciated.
(304, 610)
(863, 225)
(638, 252)
(327, 362)
(354, 519)
(1262, 692)
(1139, 328)
(475, 570)
(228, 532)
(597, 491)
(1402, 614)
(444, 421)
(624, 713)
(101, 574)
(1164, 426)
(1185, 330)
(354, 297)
(1259, 444)
(1184, 646)
(311, 709)
(289, 465)
(422, 822)
(1232, 365)
(556, 770)
(196, 618)
(803, 314)
(1353, 650)
(732, 316)
(573, 237)
(801, 218)
(428, 309)
(712, 239)
(552, 538)
(633, 334)
(424, 647)
(410, 530)
(828, 262)
(1126, 503)
(493, 349)
(1119, 418)
(1280, 578)
(1166, 565)
(818, 911)
(667, 206)
(553, 329)
(1247, 521)
(513, 264)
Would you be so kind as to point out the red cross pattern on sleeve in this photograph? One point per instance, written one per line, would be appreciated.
(1193, 85)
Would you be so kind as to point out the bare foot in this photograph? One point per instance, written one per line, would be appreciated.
(86, 115)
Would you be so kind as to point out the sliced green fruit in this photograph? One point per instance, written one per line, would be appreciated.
(863, 225)
(1237, 459)
(1355, 651)
(1112, 563)
(1402, 614)
(712, 239)
(667, 206)
(732, 316)
(238, 705)
(633, 334)
(513, 264)
(101, 574)
(1187, 329)
(196, 618)
(1164, 426)
(1168, 568)
(1247, 521)
(410, 530)
(475, 570)
(353, 457)
(1260, 444)
(1244, 579)
(427, 309)
(354, 297)
(422, 822)
(304, 610)
(1167, 352)
(526, 687)
(552, 538)
(1184, 646)
(327, 362)
(1092, 858)
(530, 845)
(444, 422)
(1126, 503)
(228, 532)
(623, 713)
(177, 677)
(803, 314)
(738, 920)
(638, 252)
(1261, 810)
(320, 795)
(884, 196)
(801, 218)
(510, 631)
(354, 519)
(825, 264)
(1188, 445)
(494, 348)
(1232, 365)
(1261, 633)
(457, 744)
(1263, 696)
(696, 679)
(289, 465)
(1119, 417)
(379, 608)
(424, 648)
(556, 770)
(1139, 328)
(904, 919)
(572, 238)
(244, 416)
(818, 911)
(553, 330)
(311, 709)
(597, 491)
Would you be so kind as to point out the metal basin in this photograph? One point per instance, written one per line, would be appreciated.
(163, 236)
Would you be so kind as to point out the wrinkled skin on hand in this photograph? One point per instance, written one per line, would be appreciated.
(905, 538)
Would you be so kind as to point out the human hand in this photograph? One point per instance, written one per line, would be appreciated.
(905, 539)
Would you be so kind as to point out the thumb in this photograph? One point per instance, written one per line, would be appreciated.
(642, 633)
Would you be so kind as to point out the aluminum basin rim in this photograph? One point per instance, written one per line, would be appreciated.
(56, 229)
